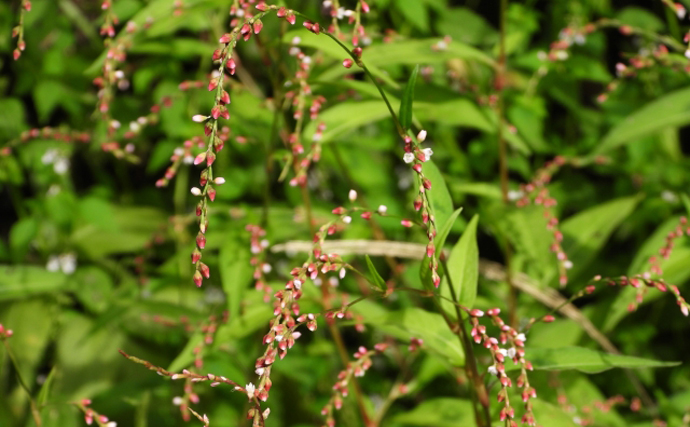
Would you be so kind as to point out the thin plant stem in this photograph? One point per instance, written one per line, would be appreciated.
(32, 403)
(503, 157)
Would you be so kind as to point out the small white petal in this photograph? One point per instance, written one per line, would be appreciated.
(492, 370)
(408, 158)
(521, 337)
(421, 136)
(347, 219)
(383, 209)
(199, 118)
(177, 401)
(196, 191)
(352, 195)
(341, 273)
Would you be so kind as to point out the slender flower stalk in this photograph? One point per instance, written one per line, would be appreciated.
(18, 31)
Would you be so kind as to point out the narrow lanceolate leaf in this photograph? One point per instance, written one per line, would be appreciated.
(376, 277)
(585, 360)
(235, 272)
(405, 114)
(672, 110)
(441, 202)
(44, 393)
(439, 242)
(463, 270)
(686, 202)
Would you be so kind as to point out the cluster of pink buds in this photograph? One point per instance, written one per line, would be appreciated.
(5, 333)
(645, 281)
(569, 36)
(354, 17)
(91, 416)
(416, 155)
(645, 59)
(356, 368)
(18, 31)
(223, 57)
(676, 8)
(282, 334)
(303, 99)
(515, 351)
(537, 192)
(56, 135)
(258, 260)
(585, 416)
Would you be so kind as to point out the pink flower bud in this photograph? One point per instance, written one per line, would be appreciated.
(406, 223)
(203, 268)
(258, 25)
(421, 136)
(347, 63)
(199, 118)
(200, 158)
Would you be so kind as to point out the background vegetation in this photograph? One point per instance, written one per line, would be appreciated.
(94, 252)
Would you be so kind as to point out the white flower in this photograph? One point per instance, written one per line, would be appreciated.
(49, 156)
(296, 40)
(251, 390)
(568, 264)
(177, 401)
(421, 136)
(266, 413)
(514, 195)
(341, 273)
(427, 153)
(352, 195)
(503, 351)
(408, 158)
(492, 370)
(511, 352)
(219, 180)
(298, 284)
(199, 118)
(266, 268)
(333, 282)
(53, 263)
(111, 424)
(196, 191)
(134, 126)
(347, 219)
(382, 209)
(687, 53)
(68, 263)
(61, 165)
(521, 337)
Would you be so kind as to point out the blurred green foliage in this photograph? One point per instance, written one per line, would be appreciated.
(94, 258)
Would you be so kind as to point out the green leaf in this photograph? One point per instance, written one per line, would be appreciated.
(25, 281)
(463, 270)
(376, 277)
(405, 114)
(418, 323)
(45, 388)
(441, 202)
(345, 117)
(457, 112)
(21, 235)
(585, 233)
(415, 12)
(235, 272)
(671, 110)
(686, 202)
(551, 415)
(438, 412)
(585, 360)
(439, 242)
